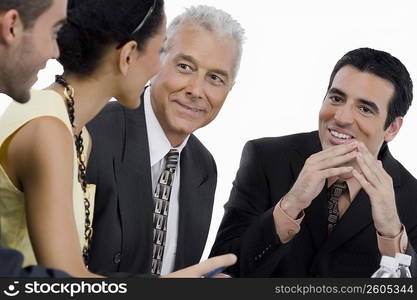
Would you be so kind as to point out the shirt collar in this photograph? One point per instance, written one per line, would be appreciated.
(159, 144)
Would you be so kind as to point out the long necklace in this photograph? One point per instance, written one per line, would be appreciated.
(79, 146)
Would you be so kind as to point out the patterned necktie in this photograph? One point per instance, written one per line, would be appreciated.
(161, 204)
(335, 191)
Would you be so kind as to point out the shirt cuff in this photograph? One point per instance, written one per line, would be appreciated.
(390, 246)
(285, 226)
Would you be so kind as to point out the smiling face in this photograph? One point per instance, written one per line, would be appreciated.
(37, 45)
(193, 82)
(355, 108)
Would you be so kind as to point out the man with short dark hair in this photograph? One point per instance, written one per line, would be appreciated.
(27, 40)
(328, 203)
(28, 31)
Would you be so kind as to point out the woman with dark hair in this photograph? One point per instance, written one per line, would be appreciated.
(109, 48)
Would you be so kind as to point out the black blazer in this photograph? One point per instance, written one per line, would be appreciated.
(11, 266)
(268, 169)
(120, 167)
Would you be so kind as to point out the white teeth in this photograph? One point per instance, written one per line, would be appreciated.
(192, 109)
(340, 135)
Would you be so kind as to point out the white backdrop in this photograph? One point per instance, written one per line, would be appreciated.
(290, 51)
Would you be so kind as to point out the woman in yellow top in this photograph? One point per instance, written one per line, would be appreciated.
(108, 49)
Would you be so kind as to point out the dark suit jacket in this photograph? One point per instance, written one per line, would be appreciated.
(268, 169)
(120, 167)
(11, 266)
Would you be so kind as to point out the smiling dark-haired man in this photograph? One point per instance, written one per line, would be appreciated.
(328, 203)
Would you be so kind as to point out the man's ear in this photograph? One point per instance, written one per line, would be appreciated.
(11, 26)
(393, 129)
(127, 53)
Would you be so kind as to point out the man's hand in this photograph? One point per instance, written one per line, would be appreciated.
(199, 270)
(377, 183)
(318, 167)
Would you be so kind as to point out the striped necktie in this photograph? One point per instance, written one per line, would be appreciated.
(161, 204)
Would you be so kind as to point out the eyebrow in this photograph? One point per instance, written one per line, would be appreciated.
(334, 90)
(369, 103)
(193, 61)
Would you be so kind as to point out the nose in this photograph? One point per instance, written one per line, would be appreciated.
(194, 88)
(344, 115)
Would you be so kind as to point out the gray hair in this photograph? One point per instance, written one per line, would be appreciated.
(213, 20)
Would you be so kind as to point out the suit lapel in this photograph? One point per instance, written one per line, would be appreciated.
(193, 208)
(135, 192)
(390, 165)
(316, 218)
(357, 217)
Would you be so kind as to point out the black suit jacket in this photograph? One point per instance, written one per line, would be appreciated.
(120, 167)
(268, 169)
(11, 266)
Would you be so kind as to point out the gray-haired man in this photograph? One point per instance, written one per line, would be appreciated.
(155, 179)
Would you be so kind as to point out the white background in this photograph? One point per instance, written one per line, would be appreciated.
(290, 52)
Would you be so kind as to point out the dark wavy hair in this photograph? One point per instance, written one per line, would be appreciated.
(29, 11)
(95, 25)
(386, 66)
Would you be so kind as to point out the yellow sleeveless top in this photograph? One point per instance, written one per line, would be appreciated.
(13, 228)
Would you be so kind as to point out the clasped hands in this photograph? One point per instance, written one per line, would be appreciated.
(347, 160)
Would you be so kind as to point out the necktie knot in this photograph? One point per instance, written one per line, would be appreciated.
(337, 189)
(172, 159)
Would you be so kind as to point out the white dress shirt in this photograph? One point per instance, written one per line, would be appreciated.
(159, 146)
